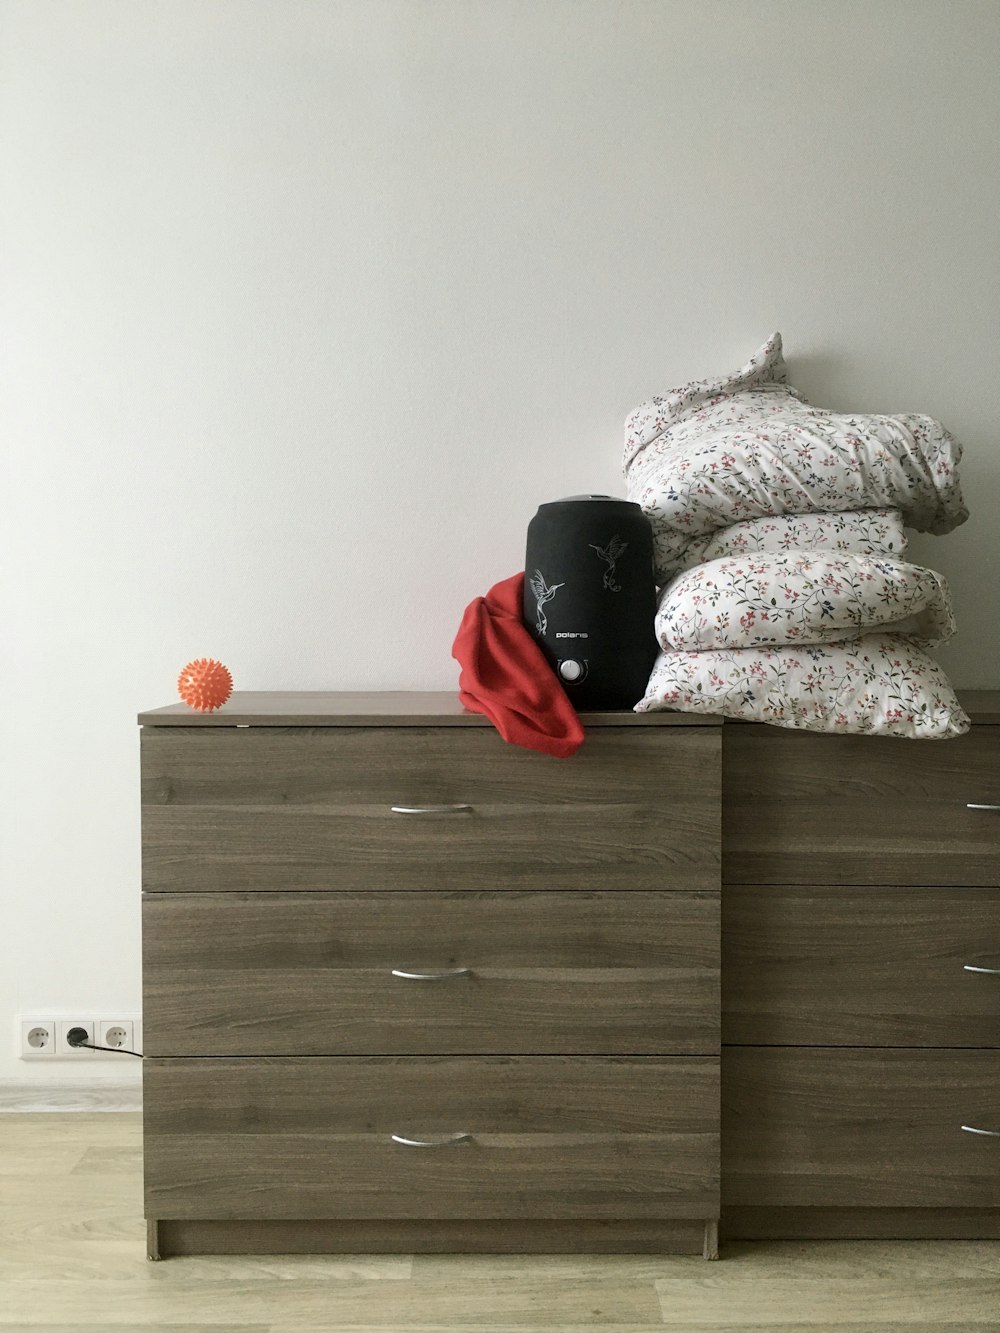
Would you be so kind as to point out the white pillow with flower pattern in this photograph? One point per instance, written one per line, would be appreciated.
(865, 531)
(801, 597)
(716, 452)
(880, 685)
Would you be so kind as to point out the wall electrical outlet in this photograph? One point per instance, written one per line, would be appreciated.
(65, 1026)
(38, 1037)
(117, 1033)
(34, 1037)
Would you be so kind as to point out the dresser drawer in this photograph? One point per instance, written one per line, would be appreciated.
(313, 974)
(839, 966)
(860, 1128)
(807, 809)
(273, 808)
(547, 1138)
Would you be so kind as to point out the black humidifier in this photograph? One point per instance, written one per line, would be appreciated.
(590, 599)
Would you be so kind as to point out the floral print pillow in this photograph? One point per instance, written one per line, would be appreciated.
(880, 685)
(801, 597)
(863, 531)
(717, 452)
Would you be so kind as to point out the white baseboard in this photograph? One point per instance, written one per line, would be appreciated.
(70, 1097)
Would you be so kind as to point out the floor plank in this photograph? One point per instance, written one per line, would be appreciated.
(313, 1303)
(61, 1098)
(84, 1261)
(730, 1302)
(745, 1261)
(866, 1323)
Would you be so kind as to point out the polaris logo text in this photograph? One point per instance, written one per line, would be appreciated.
(572, 635)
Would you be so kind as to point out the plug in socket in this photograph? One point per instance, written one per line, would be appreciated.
(65, 1027)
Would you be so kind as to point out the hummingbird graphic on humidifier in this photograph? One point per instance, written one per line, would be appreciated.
(590, 598)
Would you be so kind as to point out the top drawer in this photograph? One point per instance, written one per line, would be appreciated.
(273, 808)
(808, 809)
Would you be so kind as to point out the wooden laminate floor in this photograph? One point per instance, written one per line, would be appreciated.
(72, 1257)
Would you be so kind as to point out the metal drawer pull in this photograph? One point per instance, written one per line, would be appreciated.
(433, 976)
(990, 1133)
(431, 809)
(970, 805)
(989, 971)
(431, 1143)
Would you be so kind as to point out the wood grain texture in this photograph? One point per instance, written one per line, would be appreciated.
(860, 1128)
(378, 708)
(424, 1236)
(373, 708)
(311, 974)
(551, 1137)
(35, 1097)
(826, 1304)
(750, 1223)
(809, 809)
(839, 966)
(310, 808)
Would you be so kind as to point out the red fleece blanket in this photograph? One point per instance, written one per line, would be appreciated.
(505, 675)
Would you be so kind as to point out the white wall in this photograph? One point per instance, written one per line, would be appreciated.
(311, 302)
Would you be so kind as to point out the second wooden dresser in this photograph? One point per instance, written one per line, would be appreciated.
(407, 987)
(861, 1065)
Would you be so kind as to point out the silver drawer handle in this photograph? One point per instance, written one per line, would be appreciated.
(990, 1133)
(431, 1143)
(433, 976)
(970, 805)
(988, 971)
(431, 809)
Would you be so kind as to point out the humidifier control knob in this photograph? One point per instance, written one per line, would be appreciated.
(571, 669)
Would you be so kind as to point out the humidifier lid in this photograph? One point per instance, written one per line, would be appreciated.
(576, 499)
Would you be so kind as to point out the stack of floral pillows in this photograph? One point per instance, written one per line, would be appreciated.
(778, 531)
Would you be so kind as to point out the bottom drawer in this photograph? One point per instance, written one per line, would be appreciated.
(860, 1128)
(573, 1137)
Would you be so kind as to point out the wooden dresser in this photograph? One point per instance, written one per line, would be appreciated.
(861, 983)
(409, 988)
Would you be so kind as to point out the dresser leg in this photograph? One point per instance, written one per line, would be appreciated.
(152, 1238)
(711, 1250)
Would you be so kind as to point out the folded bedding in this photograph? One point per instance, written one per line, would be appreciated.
(879, 685)
(801, 597)
(718, 452)
(864, 531)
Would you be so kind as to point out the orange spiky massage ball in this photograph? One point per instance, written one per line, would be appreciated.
(205, 684)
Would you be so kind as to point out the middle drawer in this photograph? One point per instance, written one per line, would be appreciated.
(490, 973)
(828, 965)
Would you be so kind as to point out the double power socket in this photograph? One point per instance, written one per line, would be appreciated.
(48, 1037)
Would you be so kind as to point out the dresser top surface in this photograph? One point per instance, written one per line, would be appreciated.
(426, 708)
(395, 708)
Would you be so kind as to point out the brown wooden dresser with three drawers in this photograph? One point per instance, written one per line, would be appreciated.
(409, 988)
(861, 983)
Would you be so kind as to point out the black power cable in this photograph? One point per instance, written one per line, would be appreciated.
(75, 1037)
